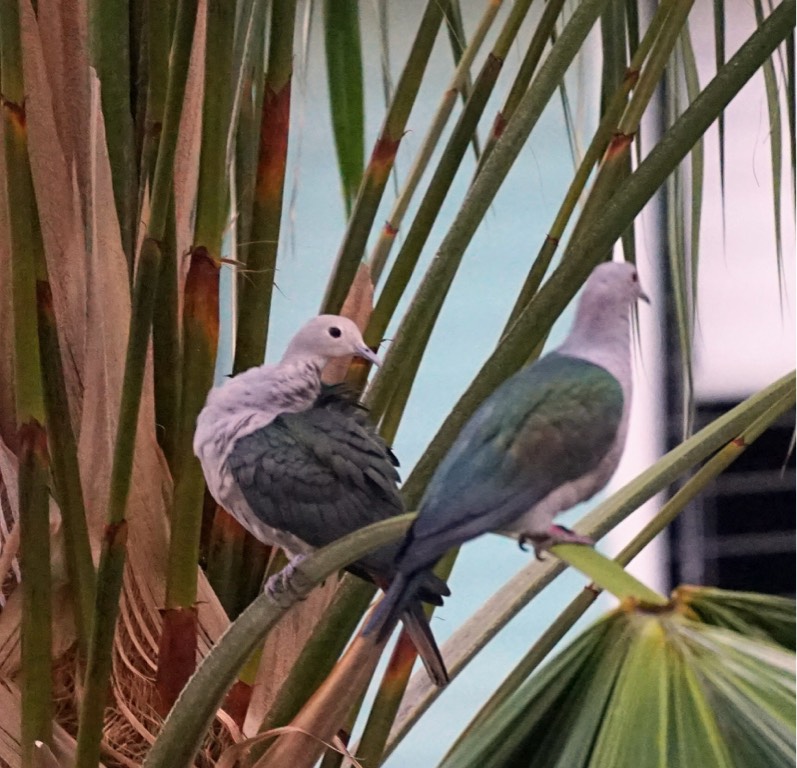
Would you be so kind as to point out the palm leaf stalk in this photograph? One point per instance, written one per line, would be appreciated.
(345, 79)
(614, 165)
(431, 294)
(436, 192)
(485, 623)
(394, 683)
(318, 656)
(188, 720)
(255, 284)
(458, 39)
(247, 140)
(597, 146)
(323, 715)
(27, 264)
(165, 331)
(177, 651)
(110, 54)
(382, 158)
(690, 490)
(229, 545)
(112, 555)
(775, 145)
(256, 281)
(583, 253)
(64, 465)
(656, 688)
(387, 235)
(160, 26)
(543, 32)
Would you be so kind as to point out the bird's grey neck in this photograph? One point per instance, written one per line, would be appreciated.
(252, 400)
(296, 384)
(601, 334)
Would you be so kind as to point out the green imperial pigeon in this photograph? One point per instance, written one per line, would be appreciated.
(547, 438)
(298, 464)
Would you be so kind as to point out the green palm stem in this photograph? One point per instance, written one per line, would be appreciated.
(224, 558)
(36, 624)
(614, 46)
(457, 38)
(228, 545)
(394, 683)
(692, 488)
(166, 350)
(65, 469)
(112, 555)
(775, 145)
(187, 722)
(450, 161)
(177, 650)
(345, 82)
(387, 236)
(431, 294)
(542, 33)
(583, 253)
(600, 140)
(382, 158)
(248, 135)
(524, 586)
(160, 25)
(238, 698)
(27, 260)
(255, 284)
(109, 52)
(162, 236)
(165, 333)
(614, 166)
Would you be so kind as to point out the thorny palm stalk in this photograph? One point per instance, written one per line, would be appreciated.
(177, 654)
(27, 263)
(112, 557)
(382, 158)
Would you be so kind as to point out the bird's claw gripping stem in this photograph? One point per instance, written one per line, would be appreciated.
(556, 534)
(289, 585)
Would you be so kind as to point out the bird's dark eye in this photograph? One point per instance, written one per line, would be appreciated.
(635, 277)
(334, 332)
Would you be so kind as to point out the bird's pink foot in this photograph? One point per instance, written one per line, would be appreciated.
(290, 584)
(556, 534)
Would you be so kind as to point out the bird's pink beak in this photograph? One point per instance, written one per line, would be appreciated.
(368, 354)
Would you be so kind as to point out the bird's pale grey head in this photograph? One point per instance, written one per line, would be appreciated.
(615, 283)
(326, 337)
(601, 331)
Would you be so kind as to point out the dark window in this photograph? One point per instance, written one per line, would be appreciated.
(740, 533)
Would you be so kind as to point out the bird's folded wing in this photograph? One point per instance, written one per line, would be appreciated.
(318, 474)
(547, 426)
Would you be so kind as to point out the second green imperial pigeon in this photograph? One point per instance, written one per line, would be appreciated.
(548, 437)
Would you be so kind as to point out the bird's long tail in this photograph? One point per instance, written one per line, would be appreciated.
(400, 602)
(389, 609)
(420, 633)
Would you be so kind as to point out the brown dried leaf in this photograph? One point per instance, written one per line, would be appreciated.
(63, 746)
(189, 142)
(358, 307)
(325, 713)
(59, 210)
